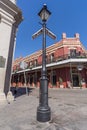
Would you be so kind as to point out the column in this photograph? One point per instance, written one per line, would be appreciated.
(10, 18)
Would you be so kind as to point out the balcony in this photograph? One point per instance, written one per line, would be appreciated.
(67, 57)
(63, 59)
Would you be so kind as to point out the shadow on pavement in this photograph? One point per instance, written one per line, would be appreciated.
(20, 91)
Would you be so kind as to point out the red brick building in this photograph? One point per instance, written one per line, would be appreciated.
(66, 65)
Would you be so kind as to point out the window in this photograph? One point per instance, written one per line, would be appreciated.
(52, 57)
(73, 53)
(35, 63)
(30, 63)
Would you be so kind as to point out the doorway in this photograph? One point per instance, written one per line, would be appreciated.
(75, 79)
(53, 77)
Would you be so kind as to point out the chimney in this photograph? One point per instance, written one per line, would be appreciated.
(63, 35)
(77, 35)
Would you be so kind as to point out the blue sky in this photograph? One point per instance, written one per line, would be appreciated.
(69, 16)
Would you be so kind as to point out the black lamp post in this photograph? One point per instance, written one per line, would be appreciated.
(43, 110)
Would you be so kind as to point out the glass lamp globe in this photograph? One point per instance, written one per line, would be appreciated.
(44, 13)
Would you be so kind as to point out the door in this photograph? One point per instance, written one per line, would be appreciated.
(75, 80)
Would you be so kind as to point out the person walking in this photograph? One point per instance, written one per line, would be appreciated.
(15, 92)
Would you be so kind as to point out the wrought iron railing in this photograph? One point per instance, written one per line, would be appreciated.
(56, 59)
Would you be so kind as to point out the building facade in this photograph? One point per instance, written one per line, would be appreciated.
(10, 18)
(66, 63)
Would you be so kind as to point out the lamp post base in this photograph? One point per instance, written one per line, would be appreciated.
(43, 114)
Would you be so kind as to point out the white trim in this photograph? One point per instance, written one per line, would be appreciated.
(56, 64)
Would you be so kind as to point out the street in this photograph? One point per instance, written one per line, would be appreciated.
(68, 111)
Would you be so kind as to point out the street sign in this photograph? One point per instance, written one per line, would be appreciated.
(39, 32)
(50, 34)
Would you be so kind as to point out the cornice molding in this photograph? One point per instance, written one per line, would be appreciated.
(12, 10)
(13, 1)
(7, 20)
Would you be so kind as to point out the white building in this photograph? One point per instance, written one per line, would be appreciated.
(10, 18)
(14, 1)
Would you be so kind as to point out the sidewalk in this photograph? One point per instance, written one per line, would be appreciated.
(68, 108)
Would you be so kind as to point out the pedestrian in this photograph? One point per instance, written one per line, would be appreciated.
(15, 92)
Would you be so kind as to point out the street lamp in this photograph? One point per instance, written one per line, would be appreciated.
(43, 110)
(24, 65)
(80, 68)
(44, 13)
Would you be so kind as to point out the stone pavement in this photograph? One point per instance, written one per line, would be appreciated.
(68, 108)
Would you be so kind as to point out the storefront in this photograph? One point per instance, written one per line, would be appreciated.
(66, 63)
